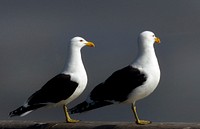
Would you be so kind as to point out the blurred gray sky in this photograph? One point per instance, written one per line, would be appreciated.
(34, 34)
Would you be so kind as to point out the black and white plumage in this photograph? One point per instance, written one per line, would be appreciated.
(63, 88)
(129, 84)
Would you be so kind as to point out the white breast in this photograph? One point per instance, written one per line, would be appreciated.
(153, 77)
(82, 82)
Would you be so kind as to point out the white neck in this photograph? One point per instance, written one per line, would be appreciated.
(146, 56)
(74, 62)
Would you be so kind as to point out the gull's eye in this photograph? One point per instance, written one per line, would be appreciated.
(153, 35)
(81, 40)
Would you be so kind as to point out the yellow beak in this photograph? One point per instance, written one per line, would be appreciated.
(90, 44)
(157, 40)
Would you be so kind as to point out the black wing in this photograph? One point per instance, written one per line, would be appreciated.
(119, 85)
(58, 88)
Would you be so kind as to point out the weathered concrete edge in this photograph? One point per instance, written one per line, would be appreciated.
(13, 124)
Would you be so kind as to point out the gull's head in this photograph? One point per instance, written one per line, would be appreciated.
(148, 37)
(81, 42)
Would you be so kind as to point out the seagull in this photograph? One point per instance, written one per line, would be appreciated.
(129, 84)
(64, 87)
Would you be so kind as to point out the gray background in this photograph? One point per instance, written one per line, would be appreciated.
(34, 34)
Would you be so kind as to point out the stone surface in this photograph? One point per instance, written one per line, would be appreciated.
(12, 124)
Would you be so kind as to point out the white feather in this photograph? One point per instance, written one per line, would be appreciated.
(147, 63)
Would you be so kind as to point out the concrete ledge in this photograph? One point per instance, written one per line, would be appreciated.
(93, 125)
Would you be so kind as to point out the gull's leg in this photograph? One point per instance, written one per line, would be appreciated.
(138, 121)
(68, 119)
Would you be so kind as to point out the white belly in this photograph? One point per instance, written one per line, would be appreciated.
(79, 90)
(146, 89)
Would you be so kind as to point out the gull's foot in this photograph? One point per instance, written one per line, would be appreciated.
(143, 122)
(72, 121)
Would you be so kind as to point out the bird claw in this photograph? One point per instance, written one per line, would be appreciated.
(72, 121)
(143, 122)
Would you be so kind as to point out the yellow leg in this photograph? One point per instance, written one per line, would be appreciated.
(138, 121)
(68, 119)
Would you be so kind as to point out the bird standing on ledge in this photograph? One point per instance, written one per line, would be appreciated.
(128, 84)
(63, 88)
